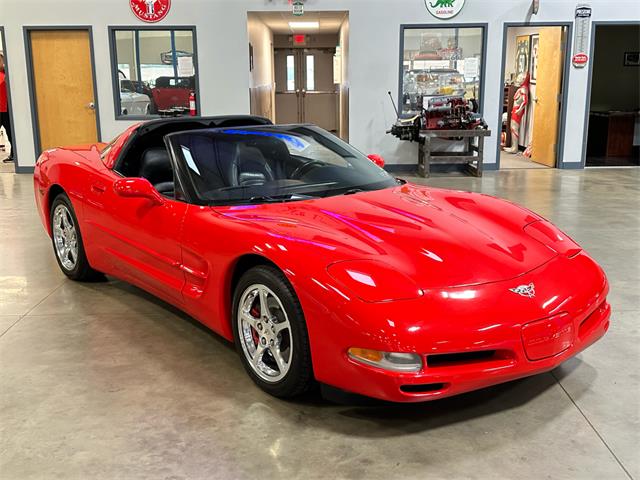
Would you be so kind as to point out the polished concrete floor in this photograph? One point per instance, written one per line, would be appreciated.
(101, 381)
(517, 160)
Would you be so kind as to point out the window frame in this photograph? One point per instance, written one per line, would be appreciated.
(446, 26)
(115, 78)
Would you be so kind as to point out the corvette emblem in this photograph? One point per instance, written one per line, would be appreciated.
(525, 290)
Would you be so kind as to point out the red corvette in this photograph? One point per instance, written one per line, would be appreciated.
(318, 264)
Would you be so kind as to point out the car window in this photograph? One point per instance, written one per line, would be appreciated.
(267, 164)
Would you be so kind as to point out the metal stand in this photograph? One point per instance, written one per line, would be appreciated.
(472, 156)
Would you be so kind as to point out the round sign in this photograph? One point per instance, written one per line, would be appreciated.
(444, 9)
(150, 10)
(580, 59)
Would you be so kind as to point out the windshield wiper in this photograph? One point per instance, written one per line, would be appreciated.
(351, 191)
(267, 198)
(290, 197)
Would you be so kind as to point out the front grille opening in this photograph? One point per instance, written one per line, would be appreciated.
(450, 359)
(423, 388)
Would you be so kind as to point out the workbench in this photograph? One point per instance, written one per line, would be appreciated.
(472, 157)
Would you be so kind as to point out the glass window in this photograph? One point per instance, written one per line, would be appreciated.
(155, 71)
(440, 61)
(311, 75)
(274, 164)
(291, 73)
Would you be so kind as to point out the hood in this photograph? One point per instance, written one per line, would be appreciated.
(439, 238)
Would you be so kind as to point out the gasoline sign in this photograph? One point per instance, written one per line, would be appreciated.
(444, 9)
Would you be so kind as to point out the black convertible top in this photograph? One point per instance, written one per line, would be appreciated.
(197, 123)
(151, 134)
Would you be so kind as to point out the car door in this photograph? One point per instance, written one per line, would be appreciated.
(135, 238)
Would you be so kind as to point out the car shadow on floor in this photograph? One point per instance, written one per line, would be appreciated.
(341, 411)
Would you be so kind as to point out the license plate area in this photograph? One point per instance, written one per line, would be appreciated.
(548, 337)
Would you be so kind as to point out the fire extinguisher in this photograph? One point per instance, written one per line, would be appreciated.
(192, 104)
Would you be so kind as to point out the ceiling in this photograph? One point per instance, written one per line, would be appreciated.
(278, 22)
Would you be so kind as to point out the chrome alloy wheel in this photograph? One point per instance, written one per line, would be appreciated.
(65, 237)
(265, 333)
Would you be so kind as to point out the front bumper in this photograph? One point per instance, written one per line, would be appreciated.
(468, 337)
(465, 374)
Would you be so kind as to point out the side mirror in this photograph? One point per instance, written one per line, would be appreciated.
(137, 187)
(377, 159)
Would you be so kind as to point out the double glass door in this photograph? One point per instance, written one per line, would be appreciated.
(305, 88)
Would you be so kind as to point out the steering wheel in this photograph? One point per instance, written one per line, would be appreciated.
(304, 168)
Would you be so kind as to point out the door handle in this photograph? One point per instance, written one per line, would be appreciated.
(98, 188)
(91, 106)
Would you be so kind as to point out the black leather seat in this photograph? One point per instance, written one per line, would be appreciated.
(249, 167)
(155, 166)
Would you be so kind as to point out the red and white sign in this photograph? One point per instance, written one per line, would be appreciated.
(150, 11)
(580, 59)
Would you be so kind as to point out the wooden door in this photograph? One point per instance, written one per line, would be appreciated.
(546, 115)
(63, 83)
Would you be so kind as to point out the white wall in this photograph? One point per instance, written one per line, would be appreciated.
(343, 98)
(372, 63)
(261, 81)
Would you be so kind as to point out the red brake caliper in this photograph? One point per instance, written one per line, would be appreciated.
(254, 334)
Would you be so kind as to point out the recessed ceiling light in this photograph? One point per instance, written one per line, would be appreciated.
(303, 25)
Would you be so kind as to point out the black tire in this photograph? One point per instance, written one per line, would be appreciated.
(81, 270)
(299, 377)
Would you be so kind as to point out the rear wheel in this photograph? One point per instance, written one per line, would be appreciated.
(270, 333)
(67, 241)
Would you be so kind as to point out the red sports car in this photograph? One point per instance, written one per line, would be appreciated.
(318, 264)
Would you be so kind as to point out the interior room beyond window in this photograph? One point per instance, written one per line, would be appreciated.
(156, 71)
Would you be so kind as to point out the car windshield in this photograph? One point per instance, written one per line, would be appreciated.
(273, 164)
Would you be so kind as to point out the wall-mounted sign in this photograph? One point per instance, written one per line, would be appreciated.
(444, 9)
(581, 39)
(298, 8)
(580, 59)
(150, 11)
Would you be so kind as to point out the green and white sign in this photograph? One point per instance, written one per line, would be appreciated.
(444, 9)
(298, 8)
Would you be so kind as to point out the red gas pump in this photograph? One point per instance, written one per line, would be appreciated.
(192, 104)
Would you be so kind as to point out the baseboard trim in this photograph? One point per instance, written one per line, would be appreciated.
(572, 166)
(401, 168)
(439, 168)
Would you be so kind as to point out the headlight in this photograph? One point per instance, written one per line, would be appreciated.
(394, 361)
(374, 281)
(551, 236)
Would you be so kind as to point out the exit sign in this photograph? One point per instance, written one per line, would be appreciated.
(299, 39)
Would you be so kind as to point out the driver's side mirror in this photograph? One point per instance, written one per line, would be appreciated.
(137, 187)
(377, 159)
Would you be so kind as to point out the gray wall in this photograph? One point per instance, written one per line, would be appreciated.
(374, 27)
(614, 86)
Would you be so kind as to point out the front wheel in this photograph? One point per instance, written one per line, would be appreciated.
(270, 333)
(67, 241)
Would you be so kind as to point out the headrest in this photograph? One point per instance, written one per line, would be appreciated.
(155, 163)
